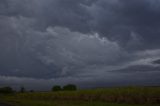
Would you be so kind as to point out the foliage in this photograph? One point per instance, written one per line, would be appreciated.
(31, 91)
(70, 87)
(56, 88)
(22, 89)
(6, 90)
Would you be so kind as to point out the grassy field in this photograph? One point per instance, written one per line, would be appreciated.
(128, 96)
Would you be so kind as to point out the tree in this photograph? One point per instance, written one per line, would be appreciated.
(56, 88)
(70, 87)
(22, 89)
(6, 90)
(31, 91)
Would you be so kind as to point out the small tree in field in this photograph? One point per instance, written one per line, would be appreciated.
(31, 91)
(22, 90)
(56, 88)
(70, 87)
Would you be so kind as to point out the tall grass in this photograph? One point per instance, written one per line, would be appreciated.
(131, 95)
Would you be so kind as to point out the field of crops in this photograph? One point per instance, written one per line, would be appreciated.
(133, 96)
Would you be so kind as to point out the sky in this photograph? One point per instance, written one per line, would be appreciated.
(90, 43)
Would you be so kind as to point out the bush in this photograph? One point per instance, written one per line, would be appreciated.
(70, 87)
(31, 91)
(56, 88)
(22, 90)
(6, 90)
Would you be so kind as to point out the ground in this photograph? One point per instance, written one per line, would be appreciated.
(126, 96)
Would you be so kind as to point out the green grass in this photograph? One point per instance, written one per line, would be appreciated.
(68, 103)
(128, 96)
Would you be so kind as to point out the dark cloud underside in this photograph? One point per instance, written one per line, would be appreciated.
(60, 41)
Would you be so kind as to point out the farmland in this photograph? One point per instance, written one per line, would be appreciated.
(122, 96)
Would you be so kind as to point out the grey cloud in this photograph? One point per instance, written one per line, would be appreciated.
(105, 80)
(80, 39)
(51, 53)
(156, 62)
(70, 13)
(17, 56)
(118, 19)
(139, 68)
(76, 51)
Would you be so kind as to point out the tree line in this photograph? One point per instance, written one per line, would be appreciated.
(69, 87)
(55, 88)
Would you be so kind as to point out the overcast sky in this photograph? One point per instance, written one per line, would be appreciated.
(90, 43)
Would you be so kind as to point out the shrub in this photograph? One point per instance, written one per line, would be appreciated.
(70, 87)
(31, 91)
(22, 90)
(6, 90)
(56, 88)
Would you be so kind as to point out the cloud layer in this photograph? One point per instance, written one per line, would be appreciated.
(89, 42)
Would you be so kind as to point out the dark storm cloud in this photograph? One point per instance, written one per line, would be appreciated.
(119, 19)
(156, 61)
(134, 24)
(16, 56)
(139, 68)
(64, 13)
(70, 40)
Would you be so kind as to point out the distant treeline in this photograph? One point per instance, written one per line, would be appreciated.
(68, 87)
(6, 90)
